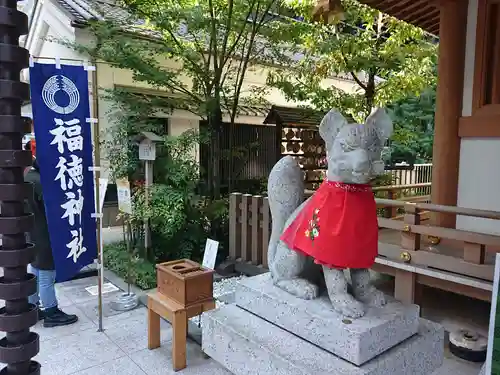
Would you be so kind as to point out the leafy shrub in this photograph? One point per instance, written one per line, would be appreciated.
(142, 272)
(179, 218)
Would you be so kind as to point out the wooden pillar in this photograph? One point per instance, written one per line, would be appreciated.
(446, 151)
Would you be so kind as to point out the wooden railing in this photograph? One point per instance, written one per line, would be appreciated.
(410, 249)
(406, 193)
(249, 228)
(250, 220)
(457, 260)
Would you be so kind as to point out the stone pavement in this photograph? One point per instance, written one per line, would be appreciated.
(122, 348)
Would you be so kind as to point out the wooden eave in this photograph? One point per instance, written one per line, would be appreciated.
(421, 13)
(293, 116)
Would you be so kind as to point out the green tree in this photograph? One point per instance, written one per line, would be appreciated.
(387, 58)
(413, 118)
(198, 53)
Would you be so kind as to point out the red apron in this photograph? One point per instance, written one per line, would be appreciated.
(338, 227)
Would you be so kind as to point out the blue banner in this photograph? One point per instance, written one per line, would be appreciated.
(60, 105)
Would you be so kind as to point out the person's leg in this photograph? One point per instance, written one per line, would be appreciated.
(53, 317)
(34, 298)
(47, 290)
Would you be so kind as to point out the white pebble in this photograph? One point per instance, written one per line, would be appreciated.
(221, 287)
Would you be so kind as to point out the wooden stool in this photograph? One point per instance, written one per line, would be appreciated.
(177, 315)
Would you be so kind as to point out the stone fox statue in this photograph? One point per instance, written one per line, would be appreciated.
(335, 229)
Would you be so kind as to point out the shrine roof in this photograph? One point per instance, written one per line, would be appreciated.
(421, 13)
(294, 116)
(243, 109)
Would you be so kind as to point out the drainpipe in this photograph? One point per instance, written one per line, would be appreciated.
(31, 21)
(19, 345)
(34, 16)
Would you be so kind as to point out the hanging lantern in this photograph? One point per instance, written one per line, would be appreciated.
(328, 11)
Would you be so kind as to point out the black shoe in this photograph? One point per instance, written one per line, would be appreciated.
(41, 314)
(58, 318)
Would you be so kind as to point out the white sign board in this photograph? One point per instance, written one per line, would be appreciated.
(124, 197)
(210, 255)
(492, 363)
(147, 150)
(103, 186)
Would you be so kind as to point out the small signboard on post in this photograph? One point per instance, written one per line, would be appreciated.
(124, 196)
(147, 153)
(147, 145)
(147, 150)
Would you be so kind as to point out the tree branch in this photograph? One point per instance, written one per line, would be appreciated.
(353, 75)
(231, 49)
(358, 81)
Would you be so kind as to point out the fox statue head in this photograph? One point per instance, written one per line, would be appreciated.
(353, 151)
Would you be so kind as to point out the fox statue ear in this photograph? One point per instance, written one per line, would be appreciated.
(331, 125)
(382, 122)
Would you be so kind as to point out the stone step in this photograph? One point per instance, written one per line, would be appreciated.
(356, 340)
(247, 345)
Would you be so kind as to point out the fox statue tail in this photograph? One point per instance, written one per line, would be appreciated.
(285, 189)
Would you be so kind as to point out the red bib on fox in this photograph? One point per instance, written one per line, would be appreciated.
(338, 226)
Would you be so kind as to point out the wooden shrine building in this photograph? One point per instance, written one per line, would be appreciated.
(467, 118)
(455, 249)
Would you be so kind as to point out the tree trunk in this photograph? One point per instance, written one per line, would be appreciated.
(215, 124)
(370, 92)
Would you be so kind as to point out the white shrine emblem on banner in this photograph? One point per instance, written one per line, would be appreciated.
(60, 83)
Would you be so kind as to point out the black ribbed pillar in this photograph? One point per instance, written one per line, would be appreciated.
(19, 345)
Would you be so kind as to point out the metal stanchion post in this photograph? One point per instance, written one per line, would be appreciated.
(19, 345)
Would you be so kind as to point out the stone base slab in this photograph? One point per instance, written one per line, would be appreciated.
(247, 345)
(358, 341)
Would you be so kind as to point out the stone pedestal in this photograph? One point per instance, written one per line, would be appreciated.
(269, 332)
(356, 341)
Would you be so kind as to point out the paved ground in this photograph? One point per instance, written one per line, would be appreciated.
(122, 349)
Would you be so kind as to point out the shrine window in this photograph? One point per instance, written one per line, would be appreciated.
(487, 75)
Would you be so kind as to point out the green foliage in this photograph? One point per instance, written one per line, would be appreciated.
(413, 119)
(116, 259)
(392, 63)
(197, 54)
(178, 225)
(388, 59)
(178, 228)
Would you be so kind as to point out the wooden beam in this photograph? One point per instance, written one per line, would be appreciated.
(446, 150)
(406, 9)
(419, 8)
(479, 126)
(480, 56)
(397, 6)
(432, 25)
(427, 15)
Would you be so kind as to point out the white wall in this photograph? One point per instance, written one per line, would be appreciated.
(50, 24)
(479, 174)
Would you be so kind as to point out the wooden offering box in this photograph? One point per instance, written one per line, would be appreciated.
(185, 281)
